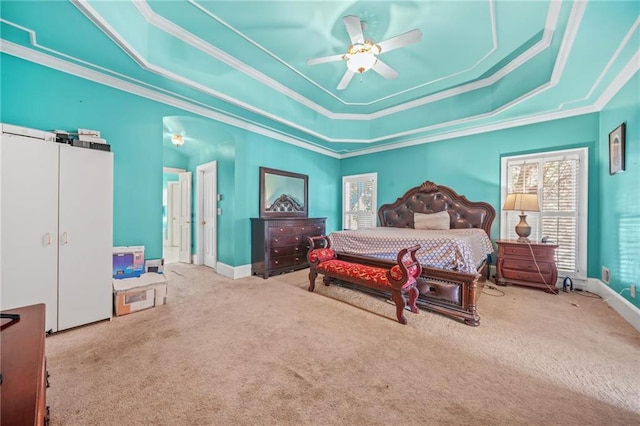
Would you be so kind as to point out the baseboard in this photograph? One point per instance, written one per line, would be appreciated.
(622, 306)
(233, 272)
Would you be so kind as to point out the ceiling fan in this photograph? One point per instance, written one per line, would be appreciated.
(362, 55)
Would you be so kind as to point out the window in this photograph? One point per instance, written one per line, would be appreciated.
(560, 180)
(359, 201)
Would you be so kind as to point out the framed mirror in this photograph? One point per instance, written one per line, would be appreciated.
(282, 194)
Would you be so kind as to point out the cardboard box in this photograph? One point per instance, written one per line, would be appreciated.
(128, 261)
(154, 265)
(138, 293)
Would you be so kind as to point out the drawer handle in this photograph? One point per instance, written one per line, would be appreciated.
(276, 251)
(276, 262)
(275, 239)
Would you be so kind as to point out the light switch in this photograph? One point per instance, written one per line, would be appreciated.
(219, 211)
(219, 197)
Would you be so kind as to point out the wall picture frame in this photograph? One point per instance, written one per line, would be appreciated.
(283, 194)
(617, 149)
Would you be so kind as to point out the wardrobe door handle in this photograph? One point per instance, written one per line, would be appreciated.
(47, 239)
(65, 238)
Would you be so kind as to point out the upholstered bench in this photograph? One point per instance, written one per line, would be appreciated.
(398, 280)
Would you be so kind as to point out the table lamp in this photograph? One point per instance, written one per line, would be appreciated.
(522, 202)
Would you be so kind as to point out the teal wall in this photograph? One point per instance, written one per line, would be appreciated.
(620, 194)
(325, 183)
(42, 98)
(471, 165)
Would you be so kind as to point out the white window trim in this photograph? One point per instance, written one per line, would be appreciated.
(583, 202)
(374, 197)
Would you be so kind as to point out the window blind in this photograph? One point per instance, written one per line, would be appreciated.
(359, 201)
(557, 179)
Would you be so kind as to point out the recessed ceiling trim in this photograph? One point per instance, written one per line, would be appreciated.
(49, 61)
(523, 121)
(575, 18)
(101, 23)
(178, 32)
(82, 72)
(371, 140)
(332, 94)
(632, 67)
(616, 54)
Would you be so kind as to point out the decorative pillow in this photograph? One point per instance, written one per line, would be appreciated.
(440, 220)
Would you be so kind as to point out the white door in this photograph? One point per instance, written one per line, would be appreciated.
(29, 224)
(184, 252)
(173, 210)
(85, 236)
(209, 215)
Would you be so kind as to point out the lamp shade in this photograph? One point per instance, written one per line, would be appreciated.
(522, 202)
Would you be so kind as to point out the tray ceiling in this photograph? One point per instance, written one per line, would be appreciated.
(481, 64)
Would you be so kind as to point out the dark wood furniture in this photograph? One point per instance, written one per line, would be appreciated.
(527, 264)
(279, 244)
(23, 368)
(397, 281)
(447, 292)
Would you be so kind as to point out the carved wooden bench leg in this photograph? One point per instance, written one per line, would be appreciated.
(400, 305)
(312, 279)
(413, 298)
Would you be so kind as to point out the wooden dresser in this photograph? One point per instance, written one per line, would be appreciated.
(517, 265)
(24, 370)
(280, 244)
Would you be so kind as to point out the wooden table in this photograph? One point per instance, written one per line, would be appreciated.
(527, 264)
(23, 368)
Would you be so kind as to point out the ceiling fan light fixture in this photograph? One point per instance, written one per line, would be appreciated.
(362, 57)
(177, 139)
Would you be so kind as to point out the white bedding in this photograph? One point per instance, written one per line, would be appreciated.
(460, 250)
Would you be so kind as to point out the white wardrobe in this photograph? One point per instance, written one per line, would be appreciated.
(56, 227)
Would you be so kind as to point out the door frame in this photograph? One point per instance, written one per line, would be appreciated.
(211, 166)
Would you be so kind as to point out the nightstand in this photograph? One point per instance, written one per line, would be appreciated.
(517, 265)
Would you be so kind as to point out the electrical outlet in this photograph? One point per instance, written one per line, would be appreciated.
(605, 275)
(632, 290)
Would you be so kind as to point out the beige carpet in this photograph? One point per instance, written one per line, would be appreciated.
(258, 352)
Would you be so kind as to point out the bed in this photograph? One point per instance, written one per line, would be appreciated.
(454, 256)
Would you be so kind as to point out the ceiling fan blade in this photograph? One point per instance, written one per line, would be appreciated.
(404, 39)
(324, 59)
(384, 70)
(346, 78)
(354, 28)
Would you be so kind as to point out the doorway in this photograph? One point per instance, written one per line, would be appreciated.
(176, 218)
(207, 214)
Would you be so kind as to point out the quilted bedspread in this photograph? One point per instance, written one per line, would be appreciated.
(461, 250)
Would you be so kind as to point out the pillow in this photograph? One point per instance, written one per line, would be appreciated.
(440, 220)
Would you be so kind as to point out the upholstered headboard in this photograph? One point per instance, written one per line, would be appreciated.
(432, 198)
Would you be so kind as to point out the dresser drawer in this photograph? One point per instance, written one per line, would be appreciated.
(287, 240)
(276, 231)
(286, 261)
(534, 277)
(524, 251)
(300, 249)
(527, 265)
(312, 230)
